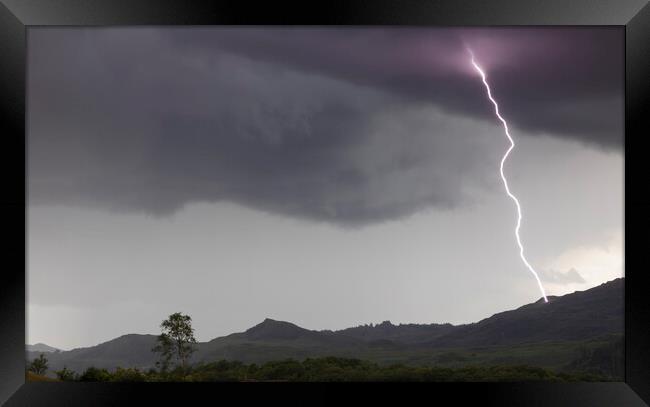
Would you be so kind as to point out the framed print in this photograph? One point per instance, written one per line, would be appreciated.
(445, 195)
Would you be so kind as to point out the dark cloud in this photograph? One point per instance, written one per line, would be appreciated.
(566, 82)
(350, 126)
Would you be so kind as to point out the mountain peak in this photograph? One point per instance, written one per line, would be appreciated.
(41, 347)
(271, 329)
(269, 322)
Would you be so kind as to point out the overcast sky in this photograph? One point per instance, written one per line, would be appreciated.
(328, 177)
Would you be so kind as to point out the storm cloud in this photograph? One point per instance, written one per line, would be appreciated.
(561, 81)
(350, 126)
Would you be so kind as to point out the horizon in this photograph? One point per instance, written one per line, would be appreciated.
(372, 324)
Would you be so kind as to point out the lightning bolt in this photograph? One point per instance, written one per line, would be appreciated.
(503, 177)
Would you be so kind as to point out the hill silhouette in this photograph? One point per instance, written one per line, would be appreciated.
(577, 316)
(580, 329)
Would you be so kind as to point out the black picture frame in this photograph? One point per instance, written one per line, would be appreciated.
(16, 16)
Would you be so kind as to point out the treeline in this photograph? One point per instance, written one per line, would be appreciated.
(176, 344)
(323, 369)
(606, 359)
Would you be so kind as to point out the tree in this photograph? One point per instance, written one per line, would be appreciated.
(176, 341)
(39, 365)
(65, 374)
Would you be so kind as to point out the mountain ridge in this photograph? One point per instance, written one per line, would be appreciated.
(581, 316)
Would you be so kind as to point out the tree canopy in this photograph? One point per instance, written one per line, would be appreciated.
(176, 342)
(39, 365)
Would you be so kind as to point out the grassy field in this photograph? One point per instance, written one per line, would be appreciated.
(549, 355)
(33, 377)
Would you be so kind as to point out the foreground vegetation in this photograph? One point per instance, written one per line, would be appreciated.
(324, 369)
(596, 360)
(33, 377)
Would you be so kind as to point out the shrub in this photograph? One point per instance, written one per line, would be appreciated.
(93, 374)
(127, 375)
